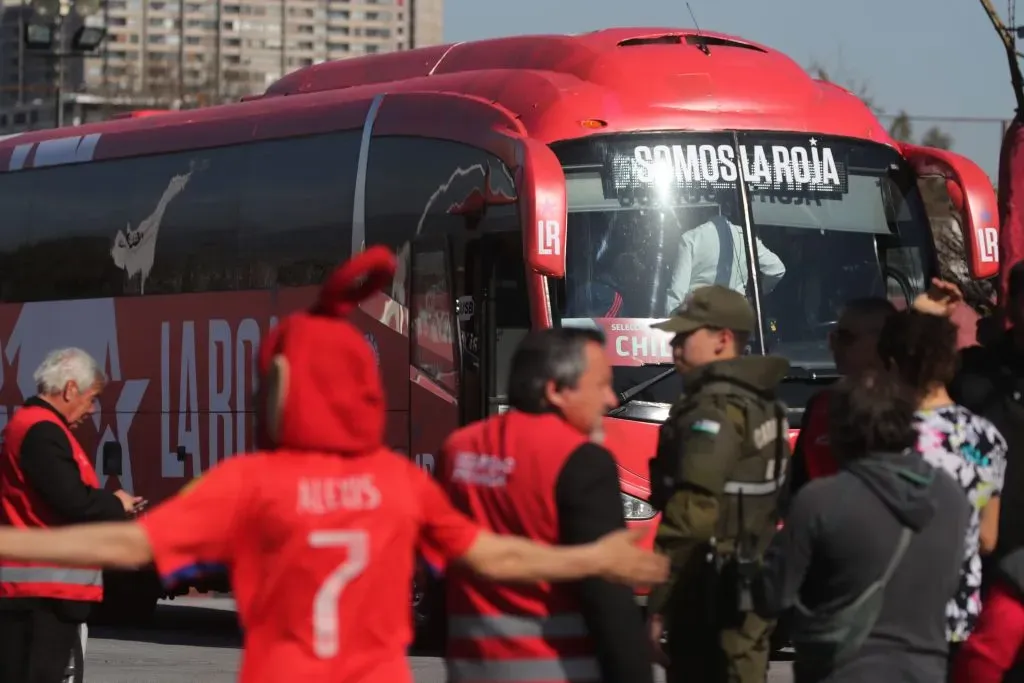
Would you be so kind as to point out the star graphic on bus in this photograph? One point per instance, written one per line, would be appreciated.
(549, 208)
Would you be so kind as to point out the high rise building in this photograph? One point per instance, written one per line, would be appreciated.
(212, 50)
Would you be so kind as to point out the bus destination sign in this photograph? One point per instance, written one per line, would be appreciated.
(802, 169)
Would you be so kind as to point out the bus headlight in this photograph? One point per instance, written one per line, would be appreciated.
(634, 509)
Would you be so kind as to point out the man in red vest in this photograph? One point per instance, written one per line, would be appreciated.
(537, 471)
(854, 346)
(47, 480)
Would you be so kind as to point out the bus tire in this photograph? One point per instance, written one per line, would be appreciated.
(129, 598)
(428, 614)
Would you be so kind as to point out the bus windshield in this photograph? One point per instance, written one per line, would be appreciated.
(652, 217)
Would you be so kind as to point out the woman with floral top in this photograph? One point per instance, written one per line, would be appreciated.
(921, 347)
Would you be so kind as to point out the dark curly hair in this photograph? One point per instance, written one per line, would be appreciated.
(920, 348)
(873, 413)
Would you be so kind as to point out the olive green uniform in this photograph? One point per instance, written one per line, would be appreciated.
(726, 435)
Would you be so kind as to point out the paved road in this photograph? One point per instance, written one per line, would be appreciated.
(197, 641)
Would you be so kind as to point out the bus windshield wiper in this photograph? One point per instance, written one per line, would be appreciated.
(797, 373)
(631, 393)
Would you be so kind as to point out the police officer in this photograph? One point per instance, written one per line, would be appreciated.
(536, 471)
(47, 480)
(716, 478)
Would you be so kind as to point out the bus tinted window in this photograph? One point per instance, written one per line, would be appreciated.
(425, 186)
(68, 229)
(16, 259)
(262, 215)
(191, 212)
(296, 207)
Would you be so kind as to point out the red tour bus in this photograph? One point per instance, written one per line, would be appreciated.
(525, 182)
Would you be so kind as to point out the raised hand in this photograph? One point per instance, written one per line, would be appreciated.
(941, 299)
(623, 560)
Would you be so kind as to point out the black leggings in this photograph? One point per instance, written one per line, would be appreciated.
(35, 646)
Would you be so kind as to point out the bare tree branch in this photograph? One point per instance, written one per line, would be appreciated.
(847, 82)
(1016, 80)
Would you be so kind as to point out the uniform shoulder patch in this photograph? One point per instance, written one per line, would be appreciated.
(706, 427)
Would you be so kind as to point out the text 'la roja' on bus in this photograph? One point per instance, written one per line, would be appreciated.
(524, 182)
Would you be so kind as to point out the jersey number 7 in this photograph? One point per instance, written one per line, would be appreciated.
(325, 604)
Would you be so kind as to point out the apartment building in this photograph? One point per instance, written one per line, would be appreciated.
(203, 51)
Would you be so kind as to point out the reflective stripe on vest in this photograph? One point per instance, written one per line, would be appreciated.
(511, 627)
(572, 670)
(58, 575)
(754, 488)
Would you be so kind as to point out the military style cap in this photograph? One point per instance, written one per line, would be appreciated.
(713, 306)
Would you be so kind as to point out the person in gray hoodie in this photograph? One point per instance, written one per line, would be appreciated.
(868, 558)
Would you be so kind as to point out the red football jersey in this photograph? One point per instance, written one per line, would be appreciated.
(320, 550)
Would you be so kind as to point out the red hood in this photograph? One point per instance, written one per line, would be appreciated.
(319, 381)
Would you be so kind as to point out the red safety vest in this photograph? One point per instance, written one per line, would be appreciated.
(814, 443)
(22, 508)
(502, 473)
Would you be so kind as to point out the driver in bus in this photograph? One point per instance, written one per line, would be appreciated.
(713, 253)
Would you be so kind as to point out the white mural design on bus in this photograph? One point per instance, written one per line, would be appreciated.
(134, 250)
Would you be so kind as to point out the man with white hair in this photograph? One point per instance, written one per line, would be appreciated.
(47, 480)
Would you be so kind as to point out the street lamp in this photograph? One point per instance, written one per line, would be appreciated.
(49, 37)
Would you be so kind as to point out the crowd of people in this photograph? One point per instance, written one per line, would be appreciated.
(899, 557)
(887, 546)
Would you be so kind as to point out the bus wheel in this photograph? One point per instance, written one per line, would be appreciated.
(428, 612)
(129, 598)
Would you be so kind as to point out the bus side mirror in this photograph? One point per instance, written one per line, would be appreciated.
(112, 459)
(973, 197)
(540, 184)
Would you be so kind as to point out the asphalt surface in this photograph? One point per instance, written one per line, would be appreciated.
(198, 640)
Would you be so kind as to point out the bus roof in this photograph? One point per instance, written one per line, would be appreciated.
(617, 80)
(139, 113)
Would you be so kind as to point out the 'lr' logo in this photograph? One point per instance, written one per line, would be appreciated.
(547, 238)
(989, 245)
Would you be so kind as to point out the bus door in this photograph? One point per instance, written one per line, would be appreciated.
(434, 353)
(493, 316)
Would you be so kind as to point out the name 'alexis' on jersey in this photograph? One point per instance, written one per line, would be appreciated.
(323, 496)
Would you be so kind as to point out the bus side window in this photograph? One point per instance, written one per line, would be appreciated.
(16, 265)
(190, 202)
(68, 233)
(432, 329)
(296, 208)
